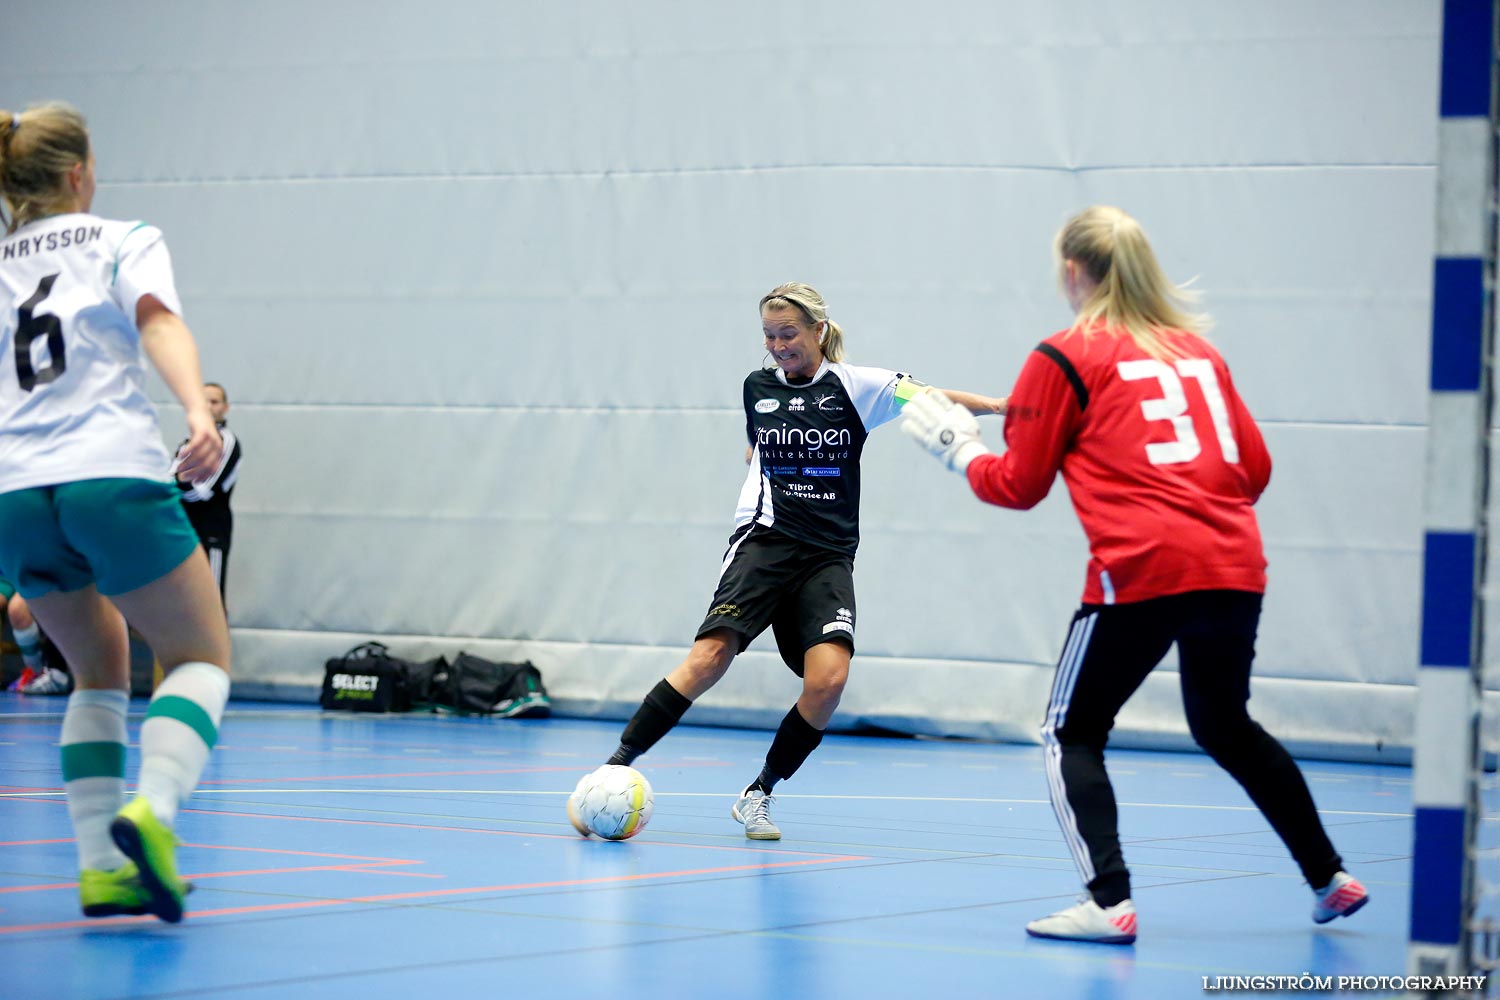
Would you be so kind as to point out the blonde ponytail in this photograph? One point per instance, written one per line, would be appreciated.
(1133, 293)
(833, 342)
(37, 149)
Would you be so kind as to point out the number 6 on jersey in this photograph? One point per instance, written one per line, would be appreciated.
(32, 328)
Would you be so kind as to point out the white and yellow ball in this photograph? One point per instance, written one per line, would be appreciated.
(613, 802)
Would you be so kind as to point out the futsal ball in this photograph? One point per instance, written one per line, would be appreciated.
(613, 802)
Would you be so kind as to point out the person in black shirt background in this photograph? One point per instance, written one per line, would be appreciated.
(207, 501)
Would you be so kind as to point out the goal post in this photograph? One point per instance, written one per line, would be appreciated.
(1448, 756)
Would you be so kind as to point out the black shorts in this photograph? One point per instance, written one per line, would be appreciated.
(803, 592)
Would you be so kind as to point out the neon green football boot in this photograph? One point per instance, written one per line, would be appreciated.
(149, 843)
(112, 894)
(117, 893)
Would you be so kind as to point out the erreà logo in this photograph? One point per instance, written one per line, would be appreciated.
(796, 404)
(767, 405)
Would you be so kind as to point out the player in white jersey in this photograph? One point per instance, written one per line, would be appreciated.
(790, 564)
(90, 523)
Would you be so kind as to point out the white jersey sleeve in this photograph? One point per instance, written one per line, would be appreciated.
(873, 391)
(142, 267)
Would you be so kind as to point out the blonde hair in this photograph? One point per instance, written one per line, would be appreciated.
(805, 299)
(38, 147)
(1133, 294)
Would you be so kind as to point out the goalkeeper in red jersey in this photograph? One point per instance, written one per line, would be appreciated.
(1164, 463)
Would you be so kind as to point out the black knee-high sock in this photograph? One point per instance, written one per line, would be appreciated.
(795, 741)
(662, 709)
(1275, 784)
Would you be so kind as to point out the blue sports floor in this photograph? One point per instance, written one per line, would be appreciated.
(417, 856)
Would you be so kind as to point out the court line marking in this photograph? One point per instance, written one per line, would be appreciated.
(392, 897)
(306, 854)
(938, 854)
(361, 863)
(424, 774)
(717, 795)
(1063, 952)
(573, 836)
(371, 869)
(825, 855)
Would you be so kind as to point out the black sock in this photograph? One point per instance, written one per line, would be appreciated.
(795, 740)
(1110, 890)
(1323, 875)
(624, 754)
(766, 781)
(662, 709)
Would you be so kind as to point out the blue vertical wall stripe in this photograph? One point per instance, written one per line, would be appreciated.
(1437, 876)
(1457, 323)
(1447, 598)
(1466, 58)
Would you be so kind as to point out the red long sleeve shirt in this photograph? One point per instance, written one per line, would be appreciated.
(1162, 459)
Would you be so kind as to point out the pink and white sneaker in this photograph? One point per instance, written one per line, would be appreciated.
(49, 681)
(1088, 921)
(1340, 898)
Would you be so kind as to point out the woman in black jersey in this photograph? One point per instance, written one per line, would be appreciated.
(790, 562)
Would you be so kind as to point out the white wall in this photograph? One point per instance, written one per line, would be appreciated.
(481, 279)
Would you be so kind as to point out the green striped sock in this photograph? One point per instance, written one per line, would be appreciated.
(181, 727)
(93, 765)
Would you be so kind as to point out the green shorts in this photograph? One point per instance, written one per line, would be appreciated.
(7, 590)
(119, 534)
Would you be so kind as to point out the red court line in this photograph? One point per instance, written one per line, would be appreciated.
(457, 829)
(489, 833)
(392, 897)
(388, 871)
(27, 843)
(204, 876)
(254, 850)
(305, 854)
(352, 754)
(365, 864)
(420, 774)
(17, 790)
(316, 868)
(398, 774)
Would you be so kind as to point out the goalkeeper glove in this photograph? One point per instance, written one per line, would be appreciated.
(944, 428)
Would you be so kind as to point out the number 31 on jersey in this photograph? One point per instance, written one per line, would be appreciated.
(1173, 406)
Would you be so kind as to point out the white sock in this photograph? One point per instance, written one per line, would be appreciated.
(29, 639)
(181, 727)
(93, 762)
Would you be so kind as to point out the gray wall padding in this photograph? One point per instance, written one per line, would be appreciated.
(481, 280)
